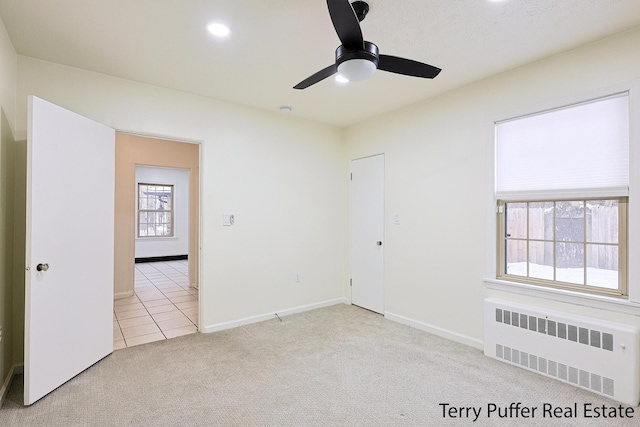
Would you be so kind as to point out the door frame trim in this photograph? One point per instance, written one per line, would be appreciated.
(198, 214)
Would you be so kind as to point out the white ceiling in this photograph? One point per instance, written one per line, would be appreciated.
(277, 43)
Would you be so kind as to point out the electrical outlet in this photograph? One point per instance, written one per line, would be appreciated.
(297, 277)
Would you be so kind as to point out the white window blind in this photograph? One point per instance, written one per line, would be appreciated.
(578, 150)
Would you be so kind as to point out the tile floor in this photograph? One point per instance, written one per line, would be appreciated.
(163, 305)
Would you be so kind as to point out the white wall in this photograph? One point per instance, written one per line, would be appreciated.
(178, 244)
(284, 179)
(439, 178)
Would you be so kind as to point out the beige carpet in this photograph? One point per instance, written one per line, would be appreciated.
(334, 366)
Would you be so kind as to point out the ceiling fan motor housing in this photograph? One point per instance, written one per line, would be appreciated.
(370, 53)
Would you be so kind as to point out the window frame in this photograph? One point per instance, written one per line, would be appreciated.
(171, 211)
(623, 249)
(492, 284)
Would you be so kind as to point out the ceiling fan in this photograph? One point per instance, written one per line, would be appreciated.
(357, 59)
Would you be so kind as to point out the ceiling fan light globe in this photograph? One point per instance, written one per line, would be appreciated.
(356, 70)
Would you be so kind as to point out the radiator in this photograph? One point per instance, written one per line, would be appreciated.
(593, 354)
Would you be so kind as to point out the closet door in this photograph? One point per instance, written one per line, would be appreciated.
(367, 233)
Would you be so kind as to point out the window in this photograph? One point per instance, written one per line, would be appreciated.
(562, 187)
(575, 244)
(155, 210)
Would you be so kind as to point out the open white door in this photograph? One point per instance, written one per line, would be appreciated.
(367, 231)
(69, 246)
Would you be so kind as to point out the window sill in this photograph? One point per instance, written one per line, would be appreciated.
(619, 305)
(154, 238)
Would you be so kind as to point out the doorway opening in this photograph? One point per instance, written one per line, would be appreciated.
(163, 305)
(156, 288)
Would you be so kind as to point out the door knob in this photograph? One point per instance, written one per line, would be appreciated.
(379, 243)
(42, 267)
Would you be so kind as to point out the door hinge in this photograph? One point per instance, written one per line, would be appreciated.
(351, 176)
(499, 209)
(350, 282)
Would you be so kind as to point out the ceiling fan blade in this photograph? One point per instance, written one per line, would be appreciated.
(320, 75)
(346, 24)
(407, 67)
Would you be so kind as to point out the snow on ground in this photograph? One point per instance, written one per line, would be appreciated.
(595, 276)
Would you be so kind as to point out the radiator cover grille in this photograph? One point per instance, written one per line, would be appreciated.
(597, 355)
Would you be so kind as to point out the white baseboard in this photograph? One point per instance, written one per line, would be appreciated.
(15, 370)
(121, 295)
(271, 315)
(436, 330)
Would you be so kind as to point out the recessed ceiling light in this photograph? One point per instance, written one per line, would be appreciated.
(341, 79)
(286, 109)
(218, 29)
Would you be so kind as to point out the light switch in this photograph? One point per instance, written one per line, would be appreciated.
(396, 219)
(228, 219)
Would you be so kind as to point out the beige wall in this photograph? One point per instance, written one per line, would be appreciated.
(9, 289)
(8, 76)
(6, 246)
(19, 241)
(132, 150)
